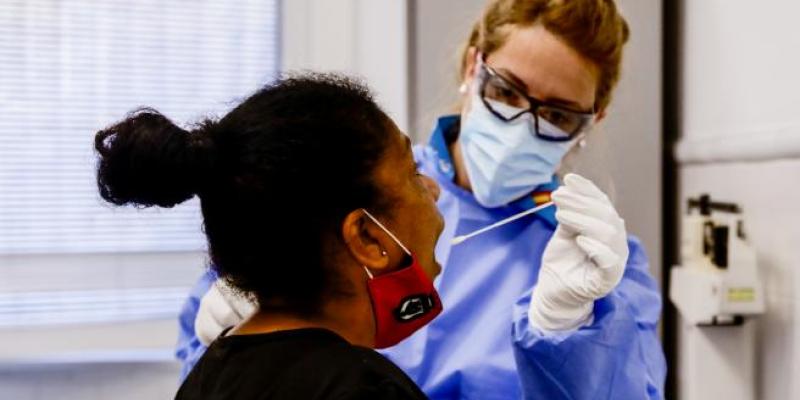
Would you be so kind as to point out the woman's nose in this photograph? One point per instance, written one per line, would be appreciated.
(432, 187)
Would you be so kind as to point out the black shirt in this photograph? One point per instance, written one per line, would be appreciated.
(296, 364)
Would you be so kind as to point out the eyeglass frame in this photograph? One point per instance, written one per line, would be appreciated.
(535, 105)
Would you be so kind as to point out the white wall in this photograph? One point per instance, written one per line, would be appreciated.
(741, 142)
(365, 38)
(440, 29)
(624, 155)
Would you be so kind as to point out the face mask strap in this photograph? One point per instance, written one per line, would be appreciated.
(464, 88)
(476, 76)
(375, 220)
(369, 274)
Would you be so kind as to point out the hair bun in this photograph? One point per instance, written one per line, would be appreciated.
(147, 160)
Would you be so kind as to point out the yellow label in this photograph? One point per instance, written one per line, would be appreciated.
(541, 198)
(741, 294)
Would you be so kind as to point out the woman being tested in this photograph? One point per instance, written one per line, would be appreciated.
(558, 305)
(336, 267)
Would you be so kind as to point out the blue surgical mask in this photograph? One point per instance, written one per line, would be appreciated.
(506, 160)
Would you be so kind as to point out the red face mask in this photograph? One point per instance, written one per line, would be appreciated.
(403, 301)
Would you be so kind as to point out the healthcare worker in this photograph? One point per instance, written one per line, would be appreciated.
(559, 305)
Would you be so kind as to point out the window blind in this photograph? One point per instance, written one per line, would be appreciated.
(69, 68)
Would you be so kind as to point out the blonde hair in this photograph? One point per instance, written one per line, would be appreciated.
(593, 28)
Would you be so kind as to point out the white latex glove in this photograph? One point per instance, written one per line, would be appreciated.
(220, 308)
(584, 260)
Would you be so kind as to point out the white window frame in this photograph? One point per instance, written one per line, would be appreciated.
(365, 38)
(139, 292)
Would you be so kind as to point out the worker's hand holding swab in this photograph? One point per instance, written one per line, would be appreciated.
(584, 260)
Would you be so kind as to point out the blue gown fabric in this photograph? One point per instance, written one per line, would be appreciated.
(482, 345)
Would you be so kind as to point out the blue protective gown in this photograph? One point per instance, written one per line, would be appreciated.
(189, 348)
(482, 346)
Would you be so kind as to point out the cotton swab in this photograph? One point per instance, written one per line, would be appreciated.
(460, 239)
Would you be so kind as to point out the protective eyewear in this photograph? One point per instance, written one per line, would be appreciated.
(508, 102)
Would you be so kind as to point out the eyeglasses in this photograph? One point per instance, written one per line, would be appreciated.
(508, 102)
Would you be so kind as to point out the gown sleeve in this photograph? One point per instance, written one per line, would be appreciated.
(617, 356)
(189, 348)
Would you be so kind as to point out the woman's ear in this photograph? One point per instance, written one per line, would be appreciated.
(365, 242)
(470, 64)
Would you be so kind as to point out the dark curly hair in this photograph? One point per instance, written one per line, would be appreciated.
(275, 176)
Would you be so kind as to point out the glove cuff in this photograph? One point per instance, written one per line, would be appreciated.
(241, 305)
(549, 317)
